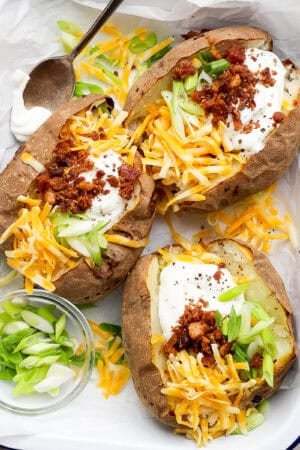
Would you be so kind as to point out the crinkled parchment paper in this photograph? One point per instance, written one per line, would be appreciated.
(27, 34)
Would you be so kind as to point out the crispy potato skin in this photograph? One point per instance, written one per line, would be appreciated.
(136, 326)
(80, 285)
(136, 332)
(263, 168)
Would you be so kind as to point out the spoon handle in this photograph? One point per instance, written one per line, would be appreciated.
(101, 19)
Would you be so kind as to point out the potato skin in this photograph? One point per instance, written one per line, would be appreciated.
(136, 333)
(263, 168)
(82, 284)
(136, 330)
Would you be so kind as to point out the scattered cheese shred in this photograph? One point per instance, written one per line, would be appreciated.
(112, 63)
(192, 163)
(205, 400)
(122, 240)
(255, 220)
(36, 254)
(29, 159)
(112, 366)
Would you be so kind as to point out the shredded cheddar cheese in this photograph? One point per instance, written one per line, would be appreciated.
(122, 240)
(206, 401)
(112, 367)
(192, 164)
(116, 52)
(36, 254)
(29, 159)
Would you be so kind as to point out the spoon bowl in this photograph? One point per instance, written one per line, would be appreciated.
(52, 81)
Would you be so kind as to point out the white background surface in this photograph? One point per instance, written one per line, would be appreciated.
(27, 34)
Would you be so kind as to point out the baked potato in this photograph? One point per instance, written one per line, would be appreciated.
(217, 118)
(208, 335)
(75, 206)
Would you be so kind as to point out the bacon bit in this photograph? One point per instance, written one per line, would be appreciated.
(195, 332)
(235, 54)
(266, 77)
(278, 117)
(217, 275)
(128, 175)
(96, 135)
(224, 97)
(183, 69)
(194, 34)
(113, 181)
(256, 361)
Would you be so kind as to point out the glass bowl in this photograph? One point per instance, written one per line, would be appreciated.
(78, 328)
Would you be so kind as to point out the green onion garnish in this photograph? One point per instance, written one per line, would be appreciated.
(138, 45)
(268, 368)
(232, 293)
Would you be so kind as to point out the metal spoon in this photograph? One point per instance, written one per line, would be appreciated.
(52, 81)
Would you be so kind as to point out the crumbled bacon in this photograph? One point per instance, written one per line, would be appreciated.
(127, 176)
(183, 69)
(194, 34)
(233, 91)
(195, 332)
(235, 54)
(278, 117)
(256, 361)
(266, 77)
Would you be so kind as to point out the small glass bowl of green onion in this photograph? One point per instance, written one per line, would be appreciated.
(46, 352)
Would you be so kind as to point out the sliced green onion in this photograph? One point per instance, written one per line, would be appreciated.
(7, 374)
(68, 41)
(234, 325)
(115, 330)
(14, 311)
(38, 322)
(253, 421)
(216, 68)
(191, 107)
(225, 326)
(15, 327)
(205, 56)
(28, 379)
(138, 45)
(255, 346)
(69, 27)
(78, 360)
(82, 88)
(232, 293)
(4, 317)
(60, 326)
(57, 375)
(268, 369)
(157, 56)
(114, 78)
(27, 341)
(259, 312)
(262, 407)
(218, 319)
(240, 354)
(38, 349)
(190, 82)
(269, 342)
(47, 313)
(246, 339)
(38, 361)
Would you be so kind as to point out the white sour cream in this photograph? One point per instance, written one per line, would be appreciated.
(182, 283)
(24, 122)
(268, 100)
(111, 206)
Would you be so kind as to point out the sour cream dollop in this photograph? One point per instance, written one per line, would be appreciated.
(182, 283)
(268, 100)
(110, 206)
(24, 122)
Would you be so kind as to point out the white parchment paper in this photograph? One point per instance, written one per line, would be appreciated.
(28, 34)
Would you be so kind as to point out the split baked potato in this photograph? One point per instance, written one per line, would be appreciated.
(208, 335)
(217, 118)
(75, 206)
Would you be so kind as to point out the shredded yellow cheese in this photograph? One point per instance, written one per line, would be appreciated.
(113, 372)
(115, 47)
(191, 164)
(29, 159)
(36, 254)
(122, 240)
(205, 400)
